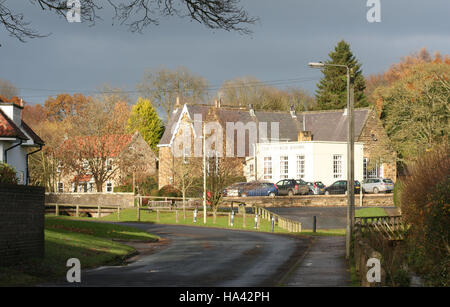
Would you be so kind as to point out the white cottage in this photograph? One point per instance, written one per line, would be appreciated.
(17, 139)
(308, 160)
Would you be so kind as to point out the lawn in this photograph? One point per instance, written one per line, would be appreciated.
(371, 212)
(169, 217)
(91, 243)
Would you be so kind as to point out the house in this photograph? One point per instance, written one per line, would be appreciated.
(110, 159)
(307, 160)
(256, 127)
(17, 140)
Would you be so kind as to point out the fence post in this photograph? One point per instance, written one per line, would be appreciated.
(98, 211)
(243, 219)
(176, 216)
(314, 223)
(77, 211)
(214, 217)
(56, 209)
(229, 219)
(118, 213)
(232, 219)
(139, 210)
(273, 224)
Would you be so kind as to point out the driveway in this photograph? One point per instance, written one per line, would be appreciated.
(327, 217)
(200, 257)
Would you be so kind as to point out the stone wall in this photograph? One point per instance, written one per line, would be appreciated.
(376, 145)
(22, 213)
(370, 200)
(122, 199)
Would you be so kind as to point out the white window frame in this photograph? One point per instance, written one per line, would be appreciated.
(268, 168)
(112, 187)
(300, 166)
(337, 166)
(284, 167)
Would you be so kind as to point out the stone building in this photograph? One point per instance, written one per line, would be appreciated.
(124, 155)
(253, 127)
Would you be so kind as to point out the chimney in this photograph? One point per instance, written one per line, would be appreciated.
(13, 111)
(177, 103)
(293, 113)
(217, 103)
(304, 136)
(251, 110)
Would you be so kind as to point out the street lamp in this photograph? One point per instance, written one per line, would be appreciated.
(350, 155)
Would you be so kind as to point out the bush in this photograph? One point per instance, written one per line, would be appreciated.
(7, 174)
(169, 191)
(425, 203)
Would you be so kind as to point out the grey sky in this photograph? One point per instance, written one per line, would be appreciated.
(290, 33)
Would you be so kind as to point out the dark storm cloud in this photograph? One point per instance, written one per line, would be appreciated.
(290, 33)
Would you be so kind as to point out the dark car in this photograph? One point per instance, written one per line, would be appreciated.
(316, 187)
(292, 187)
(340, 187)
(258, 188)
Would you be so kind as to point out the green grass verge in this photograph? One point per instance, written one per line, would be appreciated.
(91, 243)
(370, 212)
(169, 217)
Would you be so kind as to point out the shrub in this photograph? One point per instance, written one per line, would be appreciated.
(425, 203)
(7, 174)
(169, 191)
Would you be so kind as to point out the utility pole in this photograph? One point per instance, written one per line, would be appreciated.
(204, 175)
(350, 165)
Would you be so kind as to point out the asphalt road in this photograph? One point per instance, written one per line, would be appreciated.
(200, 257)
(327, 217)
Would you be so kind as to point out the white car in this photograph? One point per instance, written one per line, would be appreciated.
(377, 185)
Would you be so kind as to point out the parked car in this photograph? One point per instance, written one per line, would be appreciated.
(233, 190)
(292, 187)
(376, 185)
(258, 188)
(340, 187)
(316, 187)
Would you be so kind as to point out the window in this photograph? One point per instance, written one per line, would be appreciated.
(337, 166)
(109, 163)
(60, 187)
(372, 172)
(109, 187)
(85, 164)
(59, 167)
(284, 167)
(267, 167)
(300, 167)
(252, 169)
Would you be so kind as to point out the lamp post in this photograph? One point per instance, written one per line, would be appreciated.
(350, 156)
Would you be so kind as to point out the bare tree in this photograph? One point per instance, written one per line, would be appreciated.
(136, 14)
(7, 89)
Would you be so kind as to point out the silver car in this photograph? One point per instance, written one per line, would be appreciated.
(376, 185)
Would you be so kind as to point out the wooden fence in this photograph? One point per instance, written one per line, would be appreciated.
(77, 209)
(285, 223)
(391, 227)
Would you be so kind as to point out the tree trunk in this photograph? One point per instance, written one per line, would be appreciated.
(99, 186)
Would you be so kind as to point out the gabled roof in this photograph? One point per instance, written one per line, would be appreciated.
(330, 125)
(36, 139)
(9, 129)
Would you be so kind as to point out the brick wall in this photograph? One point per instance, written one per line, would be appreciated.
(122, 199)
(371, 200)
(22, 213)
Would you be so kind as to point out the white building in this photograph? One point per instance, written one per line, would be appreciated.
(308, 160)
(17, 139)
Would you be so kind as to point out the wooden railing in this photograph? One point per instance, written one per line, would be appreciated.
(98, 209)
(285, 223)
(392, 227)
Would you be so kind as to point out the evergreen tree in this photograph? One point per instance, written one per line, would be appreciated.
(332, 89)
(145, 119)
